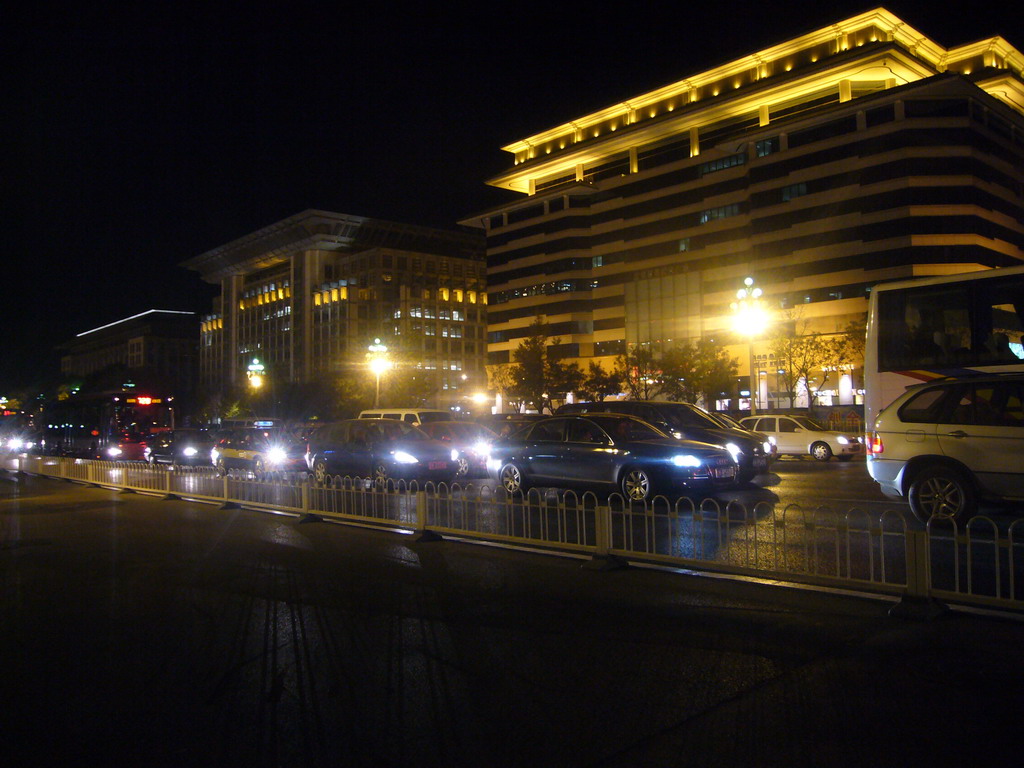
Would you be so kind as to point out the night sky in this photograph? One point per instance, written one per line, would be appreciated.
(140, 138)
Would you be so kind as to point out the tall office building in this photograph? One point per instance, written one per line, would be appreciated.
(308, 295)
(855, 154)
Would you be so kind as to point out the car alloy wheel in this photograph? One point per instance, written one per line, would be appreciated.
(320, 470)
(461, 466)
(821, 451)
(380, 476)
(221, 468)
(257, 466)
(942, 492)
(636, 484)
(511, 478)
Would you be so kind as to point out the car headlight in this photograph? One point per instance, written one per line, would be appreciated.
(276, 456)
(405, 458)
(114, 451)
(842, 440)
(686, 460)
(454, 455)
(734, 451)
(15, 444)
(767, 445)
(214, 455)
(190, 451)
(482, 448)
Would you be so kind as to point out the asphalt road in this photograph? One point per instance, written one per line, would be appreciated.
(138, 631)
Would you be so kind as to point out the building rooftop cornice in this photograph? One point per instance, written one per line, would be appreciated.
(323, 230)
(876, 40)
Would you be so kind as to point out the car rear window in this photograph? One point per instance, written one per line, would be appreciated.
(924, 407)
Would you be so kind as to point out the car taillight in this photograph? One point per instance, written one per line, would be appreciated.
(875, 446)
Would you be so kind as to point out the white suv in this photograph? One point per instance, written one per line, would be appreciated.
(944, 444)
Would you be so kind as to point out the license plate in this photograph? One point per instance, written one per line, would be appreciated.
(438, 465)
(760, 462)
(723, 472)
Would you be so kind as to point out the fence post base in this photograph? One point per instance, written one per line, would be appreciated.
(918, 608)
(309, 517)
(171, 497)
(230, 505)
(428, 536)
(606, 563)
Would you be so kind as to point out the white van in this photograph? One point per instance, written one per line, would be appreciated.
(414, 416)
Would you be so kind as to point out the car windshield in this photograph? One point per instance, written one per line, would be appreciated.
(458, 431)
(428, 416)
(808, 423)
(399, 430)
(727, 421)
(685, 416)
(627, 429)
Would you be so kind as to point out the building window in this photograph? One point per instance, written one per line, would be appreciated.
(684, 244)
(794, 190)
(722, 212)
(766, 147)
(722, 163)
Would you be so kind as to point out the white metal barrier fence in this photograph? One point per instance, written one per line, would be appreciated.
(980, 563)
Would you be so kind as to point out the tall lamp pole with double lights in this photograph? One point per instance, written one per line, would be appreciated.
(750, 319)
(379, 364)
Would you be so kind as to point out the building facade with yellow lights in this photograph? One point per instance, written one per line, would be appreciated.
(860, 153)
(307, 295)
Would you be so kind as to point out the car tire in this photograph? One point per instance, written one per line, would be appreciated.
(221, 468)
(942, 491)
(636, 484)
(320, 471)
(821, 451)
(511, 478)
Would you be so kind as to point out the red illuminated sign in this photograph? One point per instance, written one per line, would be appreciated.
(144, 400)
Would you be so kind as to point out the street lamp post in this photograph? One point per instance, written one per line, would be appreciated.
(379, 363)
(750, 320)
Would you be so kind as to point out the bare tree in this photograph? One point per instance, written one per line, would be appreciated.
(641, 372)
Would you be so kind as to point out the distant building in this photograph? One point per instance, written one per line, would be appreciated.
(158, 348)
(309, 294)
(855, 154)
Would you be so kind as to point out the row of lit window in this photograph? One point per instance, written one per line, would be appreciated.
(432, 314)
(265, 297)
(213, 324)
(330, 295)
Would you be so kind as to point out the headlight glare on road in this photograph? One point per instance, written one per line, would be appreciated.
(404, 458)
(686, 460)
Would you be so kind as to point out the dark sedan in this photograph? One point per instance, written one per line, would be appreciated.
(472, 441)
(688, 422)
(381, 450)
(187, 447)
(611, 451)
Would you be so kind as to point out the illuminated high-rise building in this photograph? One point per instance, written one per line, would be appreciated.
(855, 154)
(307, 296)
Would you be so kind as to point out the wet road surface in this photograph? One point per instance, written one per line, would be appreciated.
(150, 632)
